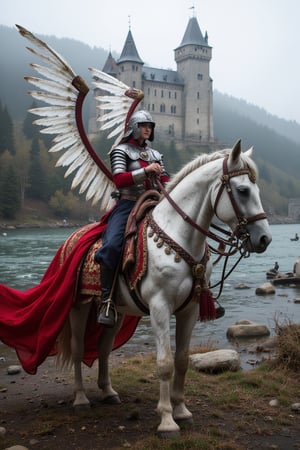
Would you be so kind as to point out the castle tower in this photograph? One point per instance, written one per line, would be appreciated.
(130, 64)
(193, 57)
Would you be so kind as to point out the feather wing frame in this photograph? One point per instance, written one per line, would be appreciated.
(60, 93)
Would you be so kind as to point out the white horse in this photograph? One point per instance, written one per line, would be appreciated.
(211, 184)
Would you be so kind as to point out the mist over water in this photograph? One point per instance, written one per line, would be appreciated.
(26, 253)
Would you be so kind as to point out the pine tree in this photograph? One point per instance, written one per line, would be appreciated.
(6, 131)
(9, 193)
(37, 182)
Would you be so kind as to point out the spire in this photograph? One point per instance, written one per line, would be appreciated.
(193, 34)
(129, 52)
(110, 66)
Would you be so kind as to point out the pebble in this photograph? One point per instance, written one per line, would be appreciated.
(2, 431)
(274, 403)
(296, 407)
(16, 447)
(13, 370)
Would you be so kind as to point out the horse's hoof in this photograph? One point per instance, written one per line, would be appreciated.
(168, 434)
(81, 408)
(111, 400)
(185, 424)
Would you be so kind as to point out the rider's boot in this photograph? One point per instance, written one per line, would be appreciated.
(107, 314)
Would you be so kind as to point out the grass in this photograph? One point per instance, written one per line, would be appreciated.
(231, 410)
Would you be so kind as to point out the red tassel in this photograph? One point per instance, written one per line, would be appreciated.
(207, 309)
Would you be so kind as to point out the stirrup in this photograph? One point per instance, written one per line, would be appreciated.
(220, 311)
(107, 314)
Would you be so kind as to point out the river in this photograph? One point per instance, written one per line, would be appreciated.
(26, 253)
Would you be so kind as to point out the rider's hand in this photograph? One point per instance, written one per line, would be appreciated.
(153, 168)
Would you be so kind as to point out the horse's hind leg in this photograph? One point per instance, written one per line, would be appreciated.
(185, 322)
(78, 319)
(105, 344)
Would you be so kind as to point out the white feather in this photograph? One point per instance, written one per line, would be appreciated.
(53, 111)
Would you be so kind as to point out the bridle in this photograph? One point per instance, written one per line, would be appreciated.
(236, 240)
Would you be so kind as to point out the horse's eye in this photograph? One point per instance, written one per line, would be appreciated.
(243, 190)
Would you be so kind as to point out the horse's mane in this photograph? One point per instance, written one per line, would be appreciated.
(201, 160)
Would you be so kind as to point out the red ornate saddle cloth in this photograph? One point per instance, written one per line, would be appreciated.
(135, 264)
(134, 259)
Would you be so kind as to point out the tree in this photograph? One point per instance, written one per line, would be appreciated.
(9, 193)
(6, 131)
(37, 182)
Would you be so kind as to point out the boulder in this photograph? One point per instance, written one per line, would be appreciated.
(216, 361)
(265, 289)
(247, 329)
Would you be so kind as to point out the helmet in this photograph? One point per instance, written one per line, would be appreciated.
(133, 124)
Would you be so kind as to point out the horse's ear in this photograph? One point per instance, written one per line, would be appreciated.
(235, 152)
(249, 152)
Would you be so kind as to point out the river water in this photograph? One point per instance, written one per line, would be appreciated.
(26, 253)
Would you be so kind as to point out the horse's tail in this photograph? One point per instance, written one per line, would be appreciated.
(64, 352)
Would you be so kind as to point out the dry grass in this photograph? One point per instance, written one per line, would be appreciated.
(288, 342)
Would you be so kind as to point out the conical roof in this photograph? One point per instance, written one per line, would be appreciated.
(110, 65)
(193, 35)
(129, 52)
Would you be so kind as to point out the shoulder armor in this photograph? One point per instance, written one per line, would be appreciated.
(131, 151)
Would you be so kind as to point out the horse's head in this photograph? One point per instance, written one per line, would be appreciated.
(237, 201)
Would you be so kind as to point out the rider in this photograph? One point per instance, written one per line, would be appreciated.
(134, 166)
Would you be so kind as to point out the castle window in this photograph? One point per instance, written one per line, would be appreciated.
(133, 84)
(122, 68)
(197, 121)
(173, 109)
(175, 95)
(148, 106)
(162, 93)
(152, 106)
(198, 95)
(148, 91)
(197, 110)
(162, 108)
(154, 92)
(169, 94)
(200, 76)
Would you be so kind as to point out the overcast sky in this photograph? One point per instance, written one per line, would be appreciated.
(255, 42)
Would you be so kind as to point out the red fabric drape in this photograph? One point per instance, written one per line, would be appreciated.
(30, 321)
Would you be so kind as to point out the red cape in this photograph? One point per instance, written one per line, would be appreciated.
(31, 321)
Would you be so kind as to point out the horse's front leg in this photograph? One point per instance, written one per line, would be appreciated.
(78, 319)
(160, 320)
(185, 322)
(105, 344)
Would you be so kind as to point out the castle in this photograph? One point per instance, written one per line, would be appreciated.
(181, 102)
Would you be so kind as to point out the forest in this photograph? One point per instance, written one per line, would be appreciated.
(31, 187)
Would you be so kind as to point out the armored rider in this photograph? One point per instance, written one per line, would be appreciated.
(134, 167)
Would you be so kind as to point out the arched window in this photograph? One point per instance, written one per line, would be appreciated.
(162, 108)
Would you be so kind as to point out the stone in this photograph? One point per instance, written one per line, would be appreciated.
(16, 447)
(13, 370)
(247, 329)
(297, 300)
(216, 361)
(242, 286)
(296, 407)
(265, 289)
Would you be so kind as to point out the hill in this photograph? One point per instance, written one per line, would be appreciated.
(276, 141)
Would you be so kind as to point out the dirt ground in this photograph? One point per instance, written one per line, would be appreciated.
(36, 411)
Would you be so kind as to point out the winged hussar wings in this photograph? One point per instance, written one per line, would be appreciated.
(64, 92)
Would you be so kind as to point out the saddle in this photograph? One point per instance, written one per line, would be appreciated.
(134, 261)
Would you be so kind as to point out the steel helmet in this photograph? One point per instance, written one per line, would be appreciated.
(134, 121)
